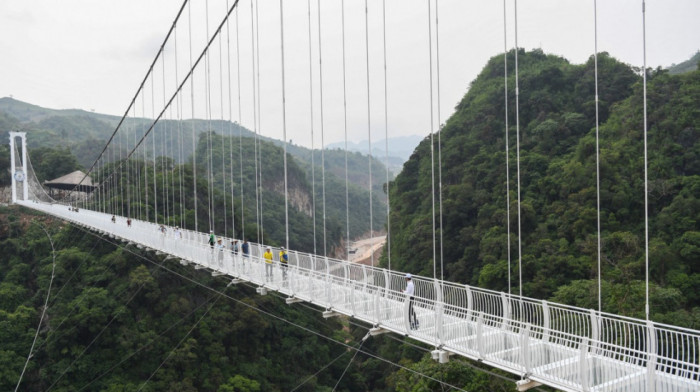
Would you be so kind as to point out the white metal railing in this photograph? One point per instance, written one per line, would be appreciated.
(566, 347)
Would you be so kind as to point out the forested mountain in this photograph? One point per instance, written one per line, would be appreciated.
(271, 187)
(558, 180)
(123, 319)
(84, 134)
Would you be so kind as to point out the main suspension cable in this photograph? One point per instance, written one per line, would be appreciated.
(133, 100)
(172, 98)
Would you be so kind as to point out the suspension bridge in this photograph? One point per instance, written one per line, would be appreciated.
(566, 347)
(569, 348)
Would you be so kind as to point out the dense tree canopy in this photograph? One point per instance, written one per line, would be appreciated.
(558, 187)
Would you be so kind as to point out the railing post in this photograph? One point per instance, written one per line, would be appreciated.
(651, 356)
(525, 348)
(346, 282)
(353, 298)
(386, 293)
(439, 310)
(595, 335)
(329, 291)
(375, 296)
(583, 364)
(364, 286)
(293, 272)
(506, 311)
(480, 336)
(312, 274)
(470, 302)
(545, 321)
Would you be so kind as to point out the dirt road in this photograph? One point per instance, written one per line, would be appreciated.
(364, 249)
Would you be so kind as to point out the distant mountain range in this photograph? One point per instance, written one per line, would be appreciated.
(686, 66)
(400, 149)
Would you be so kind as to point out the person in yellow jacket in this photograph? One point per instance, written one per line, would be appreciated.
(268, 263)
(284, 262)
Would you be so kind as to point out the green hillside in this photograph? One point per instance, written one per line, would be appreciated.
(85, 134)
(558, 179)
(689, 65)
(270, 157)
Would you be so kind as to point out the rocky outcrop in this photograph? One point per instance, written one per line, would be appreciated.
(5, 194)
(298, 198)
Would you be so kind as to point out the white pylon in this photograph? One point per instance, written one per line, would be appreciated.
(19, 173)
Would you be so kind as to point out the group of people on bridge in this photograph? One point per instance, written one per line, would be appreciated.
(234, 248)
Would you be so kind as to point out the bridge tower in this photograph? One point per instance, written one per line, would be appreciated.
(19, 172)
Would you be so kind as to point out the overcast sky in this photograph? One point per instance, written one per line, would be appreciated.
(92, 55)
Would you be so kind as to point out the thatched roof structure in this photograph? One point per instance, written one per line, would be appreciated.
(69, 182)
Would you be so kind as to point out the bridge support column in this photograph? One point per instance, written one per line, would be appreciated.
(19, 172)
(442, 356)
(330, 313)
(261, 290)
(293, 300)
(526, 384)
(377, 330)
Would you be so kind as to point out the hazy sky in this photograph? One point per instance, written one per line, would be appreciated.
(94, 54)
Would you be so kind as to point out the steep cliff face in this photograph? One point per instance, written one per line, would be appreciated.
(299, 198)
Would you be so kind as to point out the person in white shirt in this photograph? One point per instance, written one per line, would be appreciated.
(220, 252)
(410, 290)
